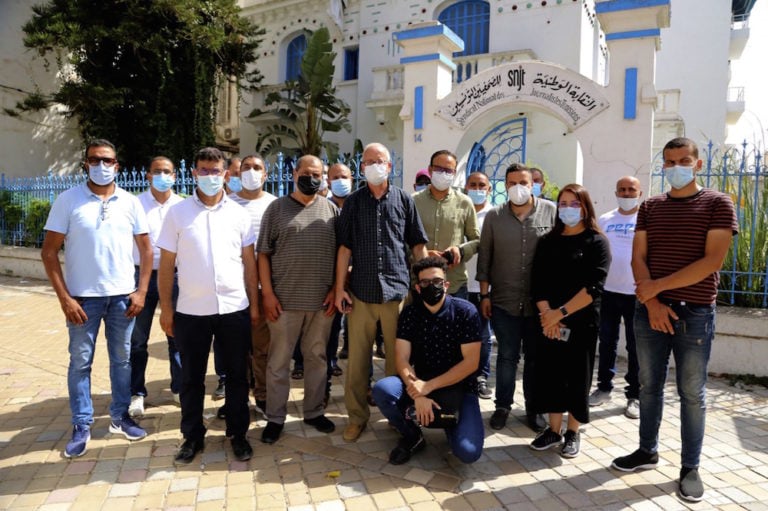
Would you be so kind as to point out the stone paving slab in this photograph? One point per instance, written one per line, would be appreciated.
(312, 471)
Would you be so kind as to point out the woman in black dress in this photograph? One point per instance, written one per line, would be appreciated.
(569, 271)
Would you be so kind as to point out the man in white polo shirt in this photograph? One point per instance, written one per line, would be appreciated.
(209, 239)
(99, 223)
(156, 201)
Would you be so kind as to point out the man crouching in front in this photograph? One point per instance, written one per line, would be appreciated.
(437, 354)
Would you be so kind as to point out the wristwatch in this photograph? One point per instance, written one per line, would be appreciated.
(484, 296)
(563, 311)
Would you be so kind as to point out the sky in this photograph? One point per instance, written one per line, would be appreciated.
(751, 72)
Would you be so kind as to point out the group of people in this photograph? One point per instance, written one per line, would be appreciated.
(434, 272)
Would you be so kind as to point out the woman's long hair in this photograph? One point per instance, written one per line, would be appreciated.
(581, 193)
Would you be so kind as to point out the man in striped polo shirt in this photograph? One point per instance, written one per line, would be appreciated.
(681, 239)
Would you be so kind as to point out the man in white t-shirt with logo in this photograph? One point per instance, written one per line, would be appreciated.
(619, 298)
(253, 197)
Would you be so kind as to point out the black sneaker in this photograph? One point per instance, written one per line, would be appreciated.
(545, 440)
(406, 448)
(321, 423)
(635, 461)
(499, 418)
(571, 443)
(221, 413)
(271, 433)
(241, 448)
(691, 487)
(483, 392)
(220, 392)
(261, 407)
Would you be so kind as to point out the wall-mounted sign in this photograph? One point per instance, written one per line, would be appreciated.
(568, 95)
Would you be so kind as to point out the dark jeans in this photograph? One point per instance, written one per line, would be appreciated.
(486, 344)
(218, 364)
(194, 335)
(140, 339)
(514, 334)
(613, 308)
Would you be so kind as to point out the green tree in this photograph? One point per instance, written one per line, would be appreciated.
(305, 109)
(143, 73)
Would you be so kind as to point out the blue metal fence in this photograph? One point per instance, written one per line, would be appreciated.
(740, 172)
(25, 201)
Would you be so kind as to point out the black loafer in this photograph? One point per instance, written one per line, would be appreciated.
(221, 413)
(188, 451)
(241, 448)
(271, 433)
(321, 423)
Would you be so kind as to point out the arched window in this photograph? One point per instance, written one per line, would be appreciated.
(469, 19)
(293, 57)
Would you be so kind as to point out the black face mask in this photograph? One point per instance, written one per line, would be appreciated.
(432, 294)
(308, 185)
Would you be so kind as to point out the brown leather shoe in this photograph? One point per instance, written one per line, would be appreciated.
(353, 431)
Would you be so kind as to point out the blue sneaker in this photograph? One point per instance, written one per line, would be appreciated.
(127, 427)
(76, 446)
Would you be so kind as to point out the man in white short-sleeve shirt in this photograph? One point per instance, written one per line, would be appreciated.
(618, 301)
(209, 240)
(156, 201)
(97, 223)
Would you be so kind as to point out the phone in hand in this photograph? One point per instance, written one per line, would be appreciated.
(448, 256)
(565, 334)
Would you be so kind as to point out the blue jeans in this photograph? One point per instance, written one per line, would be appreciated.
(486, 344)
(691, 345)
(614, 307)
(82, 346)
(513, 333)
(140, 339)
(466, 439)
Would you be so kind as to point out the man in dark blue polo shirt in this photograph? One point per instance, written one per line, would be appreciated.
(377, 226)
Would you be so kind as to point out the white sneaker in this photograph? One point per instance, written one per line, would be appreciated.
(599, 397)
(136, 408)
(632, 411)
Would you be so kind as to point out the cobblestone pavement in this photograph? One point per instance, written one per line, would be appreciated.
(310, 470)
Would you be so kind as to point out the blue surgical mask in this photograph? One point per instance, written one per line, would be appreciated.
(679, 176)
(341, 187)
(570, 216)
(536, 191)
(210, 185)
(419, 188)
(101, 174)
(478, 196)
(163, 182)
(234, 184)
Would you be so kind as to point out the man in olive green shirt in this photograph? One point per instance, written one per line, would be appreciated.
(449, 220)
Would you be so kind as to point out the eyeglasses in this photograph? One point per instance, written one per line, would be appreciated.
(437, 281)
(95, 160)
(202, 171)
(374, 162)
(572, 204)
(157, 172)
(443, 170)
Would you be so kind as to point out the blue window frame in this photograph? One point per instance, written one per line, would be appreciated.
(351, 63)
(469, 19)
(294, 54)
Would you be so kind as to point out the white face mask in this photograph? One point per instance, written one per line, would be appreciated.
(519, 194)
(442, 180)
(251, 179)
(101, 174)
(627, 203)
(376, 173)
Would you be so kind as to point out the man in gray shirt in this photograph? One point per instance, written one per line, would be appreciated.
(298, 232)
(507, 246)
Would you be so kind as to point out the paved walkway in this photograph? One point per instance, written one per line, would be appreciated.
(310, 470)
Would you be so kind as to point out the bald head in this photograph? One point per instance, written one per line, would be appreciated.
(628, 186)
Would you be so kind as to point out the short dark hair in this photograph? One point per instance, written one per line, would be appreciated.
(100, 142)
(517, 167)
(161, 157)
(429, 262)
(678, 142)
(209, 154)
(582, 195)
(442, 152)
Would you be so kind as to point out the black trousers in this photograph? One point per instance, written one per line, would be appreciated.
(194, 335)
